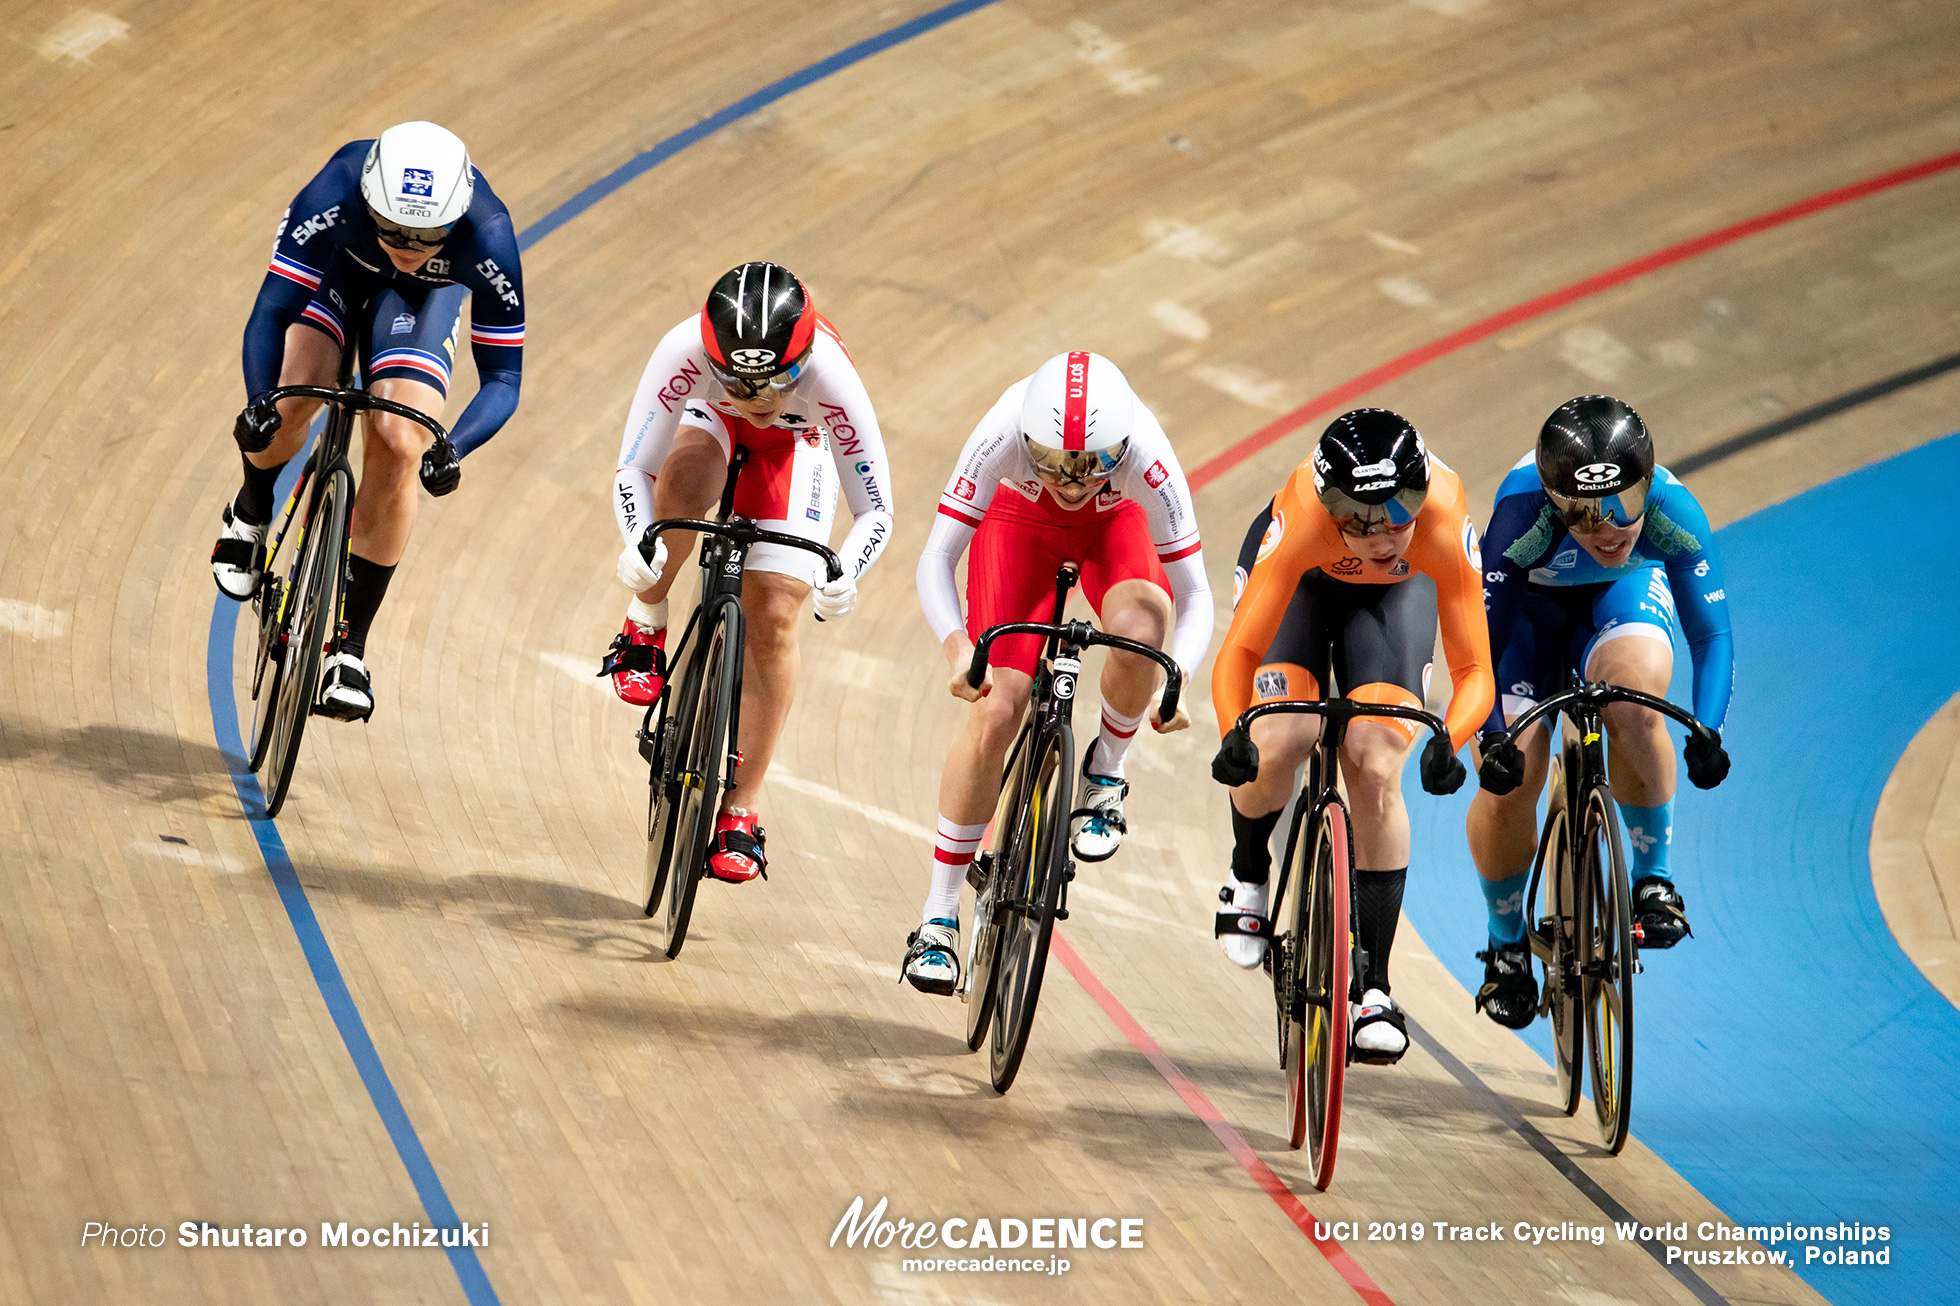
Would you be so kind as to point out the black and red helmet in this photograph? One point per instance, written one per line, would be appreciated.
(758, 326)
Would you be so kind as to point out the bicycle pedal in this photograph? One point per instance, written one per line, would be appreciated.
(1068, 869)
(1639, 966)
(1061, 913)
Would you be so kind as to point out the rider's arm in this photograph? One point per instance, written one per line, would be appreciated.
(858, 448)
(991, 450)
(1255, 535)
(1191, 595)
(496, 332)
(1523, 531)
(672, 374)
(1151, 477)
(1448, 545)
(308, 236)
(939, 592)
(1678, 527)
(1256, 619)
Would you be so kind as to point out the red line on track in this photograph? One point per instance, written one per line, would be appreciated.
(1201, 1106)
(1212, 468)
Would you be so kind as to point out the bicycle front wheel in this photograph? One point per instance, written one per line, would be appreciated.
(1012, 830)
(1609, 967)
(314, 615)
(1325, 976)
(1286, 965)
(1024, 908)
(702, 779)
(672, 732)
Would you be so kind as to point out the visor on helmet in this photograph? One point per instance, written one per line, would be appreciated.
(416, 238)
(1064, 467)
(1354, 517)
(761, 387)
(1590, 514)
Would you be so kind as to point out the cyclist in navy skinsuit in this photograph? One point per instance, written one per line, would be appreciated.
(385, 243)
(1594, 557)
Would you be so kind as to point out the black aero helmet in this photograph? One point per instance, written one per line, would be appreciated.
(758, 326)
(1371, 471)
(1596, 462)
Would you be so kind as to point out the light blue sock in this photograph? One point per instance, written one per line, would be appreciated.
(1649, 831)
(1505, 899)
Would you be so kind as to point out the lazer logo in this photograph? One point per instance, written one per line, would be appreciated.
(678, 386)
(499, 283)
(314, 225)
(1156, 476)
(1366, 486)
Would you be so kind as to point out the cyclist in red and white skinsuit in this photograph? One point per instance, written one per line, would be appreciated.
(1066, 466)
(760, 368)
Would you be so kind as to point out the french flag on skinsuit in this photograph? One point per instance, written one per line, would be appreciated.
(429, 365)
(510, 337)
(297, 272)
(326, 320)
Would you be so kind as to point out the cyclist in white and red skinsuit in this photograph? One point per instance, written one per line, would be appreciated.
(1067, 466)
(808, 425)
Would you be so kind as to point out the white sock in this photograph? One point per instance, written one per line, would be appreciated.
(649, 617)
(952, 849)
(1113, 742)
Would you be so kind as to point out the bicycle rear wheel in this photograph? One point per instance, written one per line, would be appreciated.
(702, 779)
(1564, 906)
(1609, 968)
(1325, 977)
(314, 613)
(1025, 907)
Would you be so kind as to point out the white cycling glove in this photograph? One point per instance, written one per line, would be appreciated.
(836, 598)
(633, 571)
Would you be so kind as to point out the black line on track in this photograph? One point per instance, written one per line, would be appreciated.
(1502, 1107)
(1803, 417)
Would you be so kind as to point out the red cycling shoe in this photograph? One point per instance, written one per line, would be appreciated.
(633, 662)
(737, 857)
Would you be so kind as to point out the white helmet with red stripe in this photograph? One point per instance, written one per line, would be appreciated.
(1076, 419)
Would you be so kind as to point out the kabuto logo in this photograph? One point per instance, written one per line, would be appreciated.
(418, 182)
(1597, 474)
(1156, 476)
(751, 357)
(314, 225)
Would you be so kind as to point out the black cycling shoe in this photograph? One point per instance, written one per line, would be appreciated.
(1660, 917)
(1510, 992)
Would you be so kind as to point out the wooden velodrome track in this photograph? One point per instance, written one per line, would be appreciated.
(1244, 204)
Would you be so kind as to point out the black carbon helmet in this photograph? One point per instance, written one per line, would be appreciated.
(1371, 471)
(1596, 461)
(758, 326)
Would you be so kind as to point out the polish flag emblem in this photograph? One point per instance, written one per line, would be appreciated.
(964, 488)
(1156, 476)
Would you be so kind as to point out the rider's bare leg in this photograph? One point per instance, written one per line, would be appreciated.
(771, 605)
(689, 484)
(1139, 610)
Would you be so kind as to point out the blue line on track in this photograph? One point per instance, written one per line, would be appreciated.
(742, 108)
(224, 712)
(1790, 1060)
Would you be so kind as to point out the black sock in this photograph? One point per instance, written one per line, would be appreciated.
(1379, 895)
(253, 504)
(1252, 855)
(367, 585)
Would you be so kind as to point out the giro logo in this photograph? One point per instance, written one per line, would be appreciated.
(751, 357)
(1597, 474)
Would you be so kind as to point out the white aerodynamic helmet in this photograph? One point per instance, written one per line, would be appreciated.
(417, 181)
(1076, 419)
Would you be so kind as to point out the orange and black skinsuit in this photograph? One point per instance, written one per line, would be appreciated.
(1308, 605)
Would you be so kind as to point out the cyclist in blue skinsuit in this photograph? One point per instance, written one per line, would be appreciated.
(1593, 557)
(386, 243)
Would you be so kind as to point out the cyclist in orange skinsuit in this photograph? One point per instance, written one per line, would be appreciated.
(1367, 543)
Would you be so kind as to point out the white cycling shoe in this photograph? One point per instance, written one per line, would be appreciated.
(1381, 1032)
(346, 693)
(1097, 824)
(239, 558)
(932, 957)
(1246, 901)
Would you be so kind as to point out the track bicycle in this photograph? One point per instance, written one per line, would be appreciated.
(1020, 885)
(688, 736)
(301, 613)
(1587, 940)
(1313, 953)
